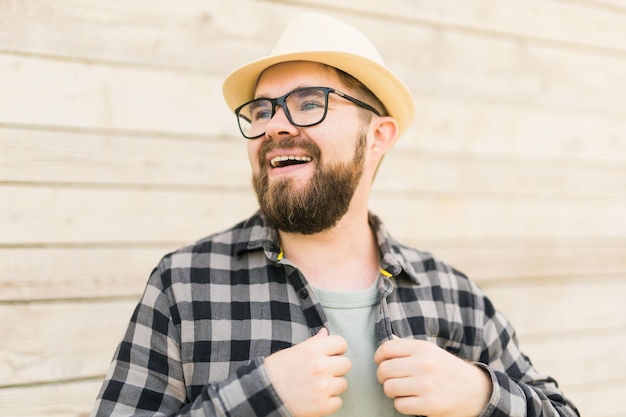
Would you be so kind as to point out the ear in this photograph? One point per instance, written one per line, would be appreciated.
(383, 134)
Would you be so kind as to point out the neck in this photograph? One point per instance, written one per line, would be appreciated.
(345, 257)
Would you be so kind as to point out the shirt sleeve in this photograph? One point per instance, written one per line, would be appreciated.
(518, 389)
(146, 375)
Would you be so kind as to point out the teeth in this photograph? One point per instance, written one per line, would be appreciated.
(278, 160)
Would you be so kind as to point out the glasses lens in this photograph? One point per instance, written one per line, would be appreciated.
(303, 107)
(253, 117)
(307, 106)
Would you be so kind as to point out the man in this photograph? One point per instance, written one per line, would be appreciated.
(309, 307)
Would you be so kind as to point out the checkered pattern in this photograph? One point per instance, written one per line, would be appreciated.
(213, 310)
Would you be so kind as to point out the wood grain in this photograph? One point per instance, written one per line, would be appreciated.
(116, 147)
(65, 399)
(46, 342)
(68, 157)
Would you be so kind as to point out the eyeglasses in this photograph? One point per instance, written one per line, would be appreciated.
(303, 107)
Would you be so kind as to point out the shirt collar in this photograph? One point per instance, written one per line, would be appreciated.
(255, 233)
(392, 252)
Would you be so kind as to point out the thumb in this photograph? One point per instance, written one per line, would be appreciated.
(323, 332)
(394, 337)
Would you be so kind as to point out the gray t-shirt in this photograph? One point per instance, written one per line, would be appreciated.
(352, 315)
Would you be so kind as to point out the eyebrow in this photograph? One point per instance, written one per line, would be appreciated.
(297, 87)
(253, 105)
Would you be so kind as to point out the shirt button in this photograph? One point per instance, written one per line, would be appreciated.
(303, 293)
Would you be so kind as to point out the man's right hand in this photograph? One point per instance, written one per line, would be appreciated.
(309, 377)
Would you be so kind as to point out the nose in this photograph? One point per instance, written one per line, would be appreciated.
(279, 125)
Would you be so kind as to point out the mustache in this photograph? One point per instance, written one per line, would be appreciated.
(289, 142)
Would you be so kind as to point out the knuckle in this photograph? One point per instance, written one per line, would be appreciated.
(384, 349)
(333, 404)
(383, 370)
(343, 345)
(319, 367)
(347, 364)
(402, 406)
(322, 386)
(342, 385)
(389, 388)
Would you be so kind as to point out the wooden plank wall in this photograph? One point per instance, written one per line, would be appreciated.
(116, 147)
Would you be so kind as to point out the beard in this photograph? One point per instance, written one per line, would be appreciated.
(317, 205)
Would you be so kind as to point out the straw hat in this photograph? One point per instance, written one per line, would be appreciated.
(318, 38)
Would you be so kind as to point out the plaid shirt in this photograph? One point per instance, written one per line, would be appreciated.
(212, 311)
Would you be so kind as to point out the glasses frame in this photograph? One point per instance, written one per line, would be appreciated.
(281, 101)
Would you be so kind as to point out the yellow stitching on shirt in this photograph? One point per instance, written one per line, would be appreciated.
(385, 273)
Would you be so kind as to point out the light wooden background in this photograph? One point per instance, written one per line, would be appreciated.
(116, 147)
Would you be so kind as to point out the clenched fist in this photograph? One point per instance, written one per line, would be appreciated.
(424, 379)
(309, 377)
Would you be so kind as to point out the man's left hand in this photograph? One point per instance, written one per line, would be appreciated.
(424, 379)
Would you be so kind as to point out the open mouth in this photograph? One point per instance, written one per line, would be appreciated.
(287, 160)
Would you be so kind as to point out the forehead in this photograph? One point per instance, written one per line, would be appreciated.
(286, 76)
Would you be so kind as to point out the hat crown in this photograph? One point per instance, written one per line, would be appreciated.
(318, 38)
(314, 32)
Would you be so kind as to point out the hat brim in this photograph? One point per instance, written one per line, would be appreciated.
(240, 84)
